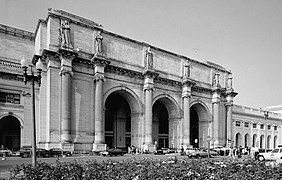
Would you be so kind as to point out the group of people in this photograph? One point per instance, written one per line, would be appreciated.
(238, 152)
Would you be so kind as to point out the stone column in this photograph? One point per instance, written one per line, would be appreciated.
(66, 73)
(186, 95)
(99, 125)
(216, 98)
(99, 63)
(230, 94)
(148, 125)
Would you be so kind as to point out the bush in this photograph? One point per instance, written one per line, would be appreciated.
(150, 169)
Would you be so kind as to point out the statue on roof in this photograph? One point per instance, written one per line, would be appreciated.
(65, 38)
(149, 58)
(98, 42)
(186, 69)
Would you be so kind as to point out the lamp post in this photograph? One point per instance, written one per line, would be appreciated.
(32, 78)
(266, 113)
(209, 140)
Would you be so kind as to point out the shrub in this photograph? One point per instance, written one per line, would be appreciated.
(150, 169)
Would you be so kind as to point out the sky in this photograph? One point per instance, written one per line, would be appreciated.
(244, 36)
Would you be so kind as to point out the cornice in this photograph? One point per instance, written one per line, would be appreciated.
(167, 81)
(17, 32)
(202, 89)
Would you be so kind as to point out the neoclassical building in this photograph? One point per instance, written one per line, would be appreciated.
(100, 89)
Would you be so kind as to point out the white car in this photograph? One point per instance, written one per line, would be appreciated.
(273, 155)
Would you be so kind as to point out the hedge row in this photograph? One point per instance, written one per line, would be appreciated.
(150, 169)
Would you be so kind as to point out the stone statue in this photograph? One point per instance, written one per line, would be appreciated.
(65, 38)
(98, 40)
(186, 70)
(216, 79)
(149, 58)
(229, 82)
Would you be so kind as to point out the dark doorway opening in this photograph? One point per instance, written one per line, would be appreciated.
(117, 122)
(160, 115)
(194, 128)
(10, 133)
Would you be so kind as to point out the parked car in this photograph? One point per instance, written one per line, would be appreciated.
(164, 151)
(113, 152)
(272, 155)
(5, 151)
(56, 152)
(202, 153)
(26, 152)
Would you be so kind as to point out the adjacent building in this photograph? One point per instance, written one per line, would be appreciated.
(100, 90)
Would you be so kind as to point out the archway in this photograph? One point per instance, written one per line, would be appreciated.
(10, 132)
(117, 121)
(255, 141)
(274, 142)
(200, 121)
(238, 140)
(194, 128)
(268, 142)
(160, 125)
(247, 140)
(165, 122)
(261, 141)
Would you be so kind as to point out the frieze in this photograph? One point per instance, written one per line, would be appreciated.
(9, 76)
(125, 72)
(201, 89)
(167, 81)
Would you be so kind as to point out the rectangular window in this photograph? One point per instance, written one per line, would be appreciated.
(261, 126)
(10, 98)
(246, 124)
(238, 123)
(254, 126)
(275, 128)
(268, 127)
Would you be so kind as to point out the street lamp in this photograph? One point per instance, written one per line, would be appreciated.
(32, 78)
(209, 141)
(266, 113)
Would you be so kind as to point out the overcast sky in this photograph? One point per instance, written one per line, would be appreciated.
(244, 36)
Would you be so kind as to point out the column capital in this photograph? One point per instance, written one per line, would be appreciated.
(186, 81)
(98, 77)
(66, 70)
(148, 87)
(186, 94)
(149, 73)
(229, 104)
(100, 60)
(67, 53)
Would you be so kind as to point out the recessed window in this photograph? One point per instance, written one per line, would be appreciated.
(246, 124)
(262, 126)
(9, 98)
(238, 123)
(254, 125)
(275, 128)
(268, 127)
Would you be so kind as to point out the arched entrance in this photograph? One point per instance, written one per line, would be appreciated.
(247, 140)
(261, 141)
(117, 121)
(268, 142)
(200, 121)
(165, 130)
(160, 125)
(10, 132)
(255, 144)
(194, 128)
(238, 140)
